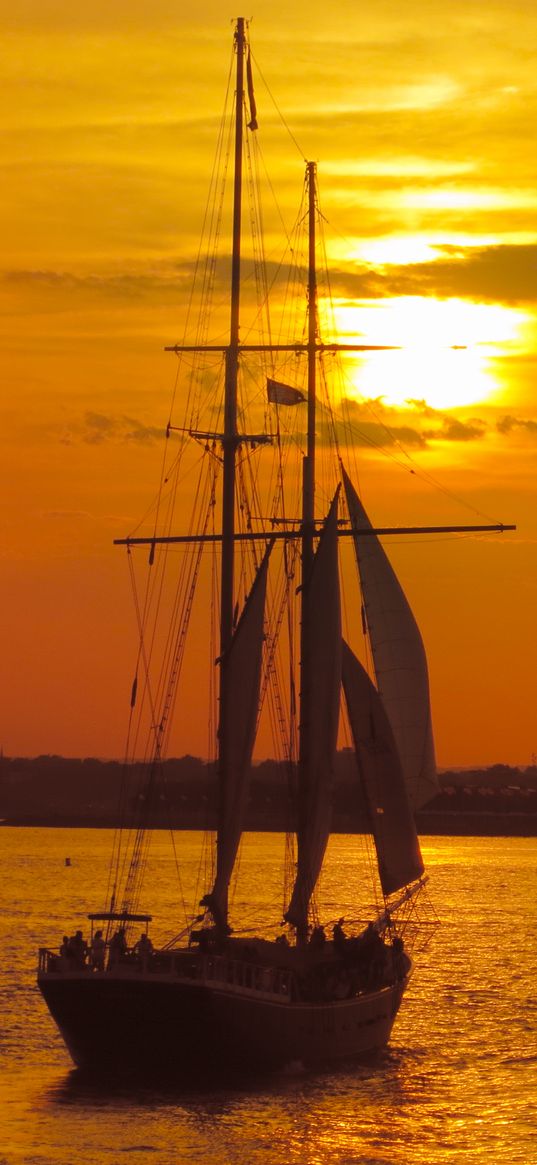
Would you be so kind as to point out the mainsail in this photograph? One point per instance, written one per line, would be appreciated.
(383, 782)
(239, 707)
(318, 734)
(398, 655)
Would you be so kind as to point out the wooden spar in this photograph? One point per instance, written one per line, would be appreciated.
(290, 347)
(381, 531)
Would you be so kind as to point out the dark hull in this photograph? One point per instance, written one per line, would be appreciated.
(113, 1022)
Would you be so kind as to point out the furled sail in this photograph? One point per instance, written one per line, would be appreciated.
(318, 732)
(383, 782)
(239, 706)
(399, 657)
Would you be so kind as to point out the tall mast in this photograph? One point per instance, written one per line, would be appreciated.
(218, 901)
(308, 469)
(308, 509)
(230, 440)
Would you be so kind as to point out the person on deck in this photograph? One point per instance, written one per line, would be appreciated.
(118, 947)
(317, 938)
(144, 947)
(339, 937)
(78, 948)
(97, 951)
(401, 961)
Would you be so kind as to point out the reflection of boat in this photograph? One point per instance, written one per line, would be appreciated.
(214, 996)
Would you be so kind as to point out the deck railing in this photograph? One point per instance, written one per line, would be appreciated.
(234, 974)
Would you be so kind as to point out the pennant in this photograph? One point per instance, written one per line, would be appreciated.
(283, 394)
(252, 124)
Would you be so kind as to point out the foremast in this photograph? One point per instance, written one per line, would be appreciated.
(232, 753)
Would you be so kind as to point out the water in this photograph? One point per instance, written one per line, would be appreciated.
(458, 1083)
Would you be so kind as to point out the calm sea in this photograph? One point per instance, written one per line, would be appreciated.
(457, 1084)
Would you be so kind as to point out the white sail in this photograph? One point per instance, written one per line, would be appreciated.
(239, 707)
(321, 610)
(399, 657)
(383, 782)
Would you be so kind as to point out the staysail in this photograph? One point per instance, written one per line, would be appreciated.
(399, 657)
(321, 611)
(239, 706)
(383, 782)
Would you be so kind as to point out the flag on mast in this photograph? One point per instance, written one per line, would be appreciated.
(283, 394)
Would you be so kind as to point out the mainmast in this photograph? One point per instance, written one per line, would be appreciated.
(229, 438)
(308, 473)
(308, 520)
(308, 481)
(217, 900)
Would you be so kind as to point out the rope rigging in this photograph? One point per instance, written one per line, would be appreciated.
(265, 494)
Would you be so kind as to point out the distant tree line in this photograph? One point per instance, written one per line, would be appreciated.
(55, 790)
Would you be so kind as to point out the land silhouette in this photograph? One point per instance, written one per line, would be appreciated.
(500, 800)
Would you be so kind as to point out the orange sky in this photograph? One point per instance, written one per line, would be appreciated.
(422, 122)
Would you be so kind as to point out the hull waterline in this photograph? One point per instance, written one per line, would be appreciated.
(111, 1022)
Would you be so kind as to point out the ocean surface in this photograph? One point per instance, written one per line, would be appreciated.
(458, 1083)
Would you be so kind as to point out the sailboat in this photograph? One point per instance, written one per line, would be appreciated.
(297, 987)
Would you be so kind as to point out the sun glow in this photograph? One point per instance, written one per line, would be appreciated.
(445, 348)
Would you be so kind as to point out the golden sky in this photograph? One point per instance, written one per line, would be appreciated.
(422, 120)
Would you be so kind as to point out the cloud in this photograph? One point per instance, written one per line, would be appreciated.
(448, 427)
(498, 274)
(140, 281)
(97, 428)
(452, 429)
(504, 274)
(374, 434)
(391, 426)
(509, 424)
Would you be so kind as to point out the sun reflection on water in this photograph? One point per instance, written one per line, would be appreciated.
(454, 1087)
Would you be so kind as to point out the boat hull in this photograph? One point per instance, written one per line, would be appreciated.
(111, 1022)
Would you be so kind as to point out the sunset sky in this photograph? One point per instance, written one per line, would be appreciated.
(421, 118)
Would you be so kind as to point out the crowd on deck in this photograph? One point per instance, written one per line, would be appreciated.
(336, 969)
(75, 952)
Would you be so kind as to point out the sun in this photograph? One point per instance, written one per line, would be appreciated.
(445, 348)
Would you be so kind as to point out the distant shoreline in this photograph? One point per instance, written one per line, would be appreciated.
(70, 793)
(429, 825)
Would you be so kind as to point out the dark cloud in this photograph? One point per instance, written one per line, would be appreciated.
(453, 430)
(375, 434)
(499, 274)
(164, 278)
(388, 430)
(430, 425)
(96, 428)
(447, 426)
(509, 424)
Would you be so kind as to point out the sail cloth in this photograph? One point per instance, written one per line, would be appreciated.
(383, 782)
(321, 640)
(239, 706)
(283, 394)
(399, 657)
